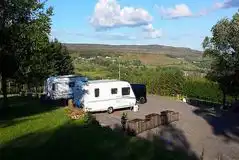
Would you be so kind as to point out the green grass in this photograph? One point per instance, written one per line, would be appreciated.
(92, 71)
(32, 131)
(95, 74)
(27, 117)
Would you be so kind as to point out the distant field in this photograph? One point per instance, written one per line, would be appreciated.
(147, 56)
(149, 60)
(95, 74)
(153, 59)
(122, 49)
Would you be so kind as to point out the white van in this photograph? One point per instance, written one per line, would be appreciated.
(61, 87)
(103, 95)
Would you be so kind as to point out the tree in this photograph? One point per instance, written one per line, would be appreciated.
(223, 47)
(52, 59)
(60, 58)
(24, 27)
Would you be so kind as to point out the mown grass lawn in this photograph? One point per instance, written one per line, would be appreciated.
(30, 131)
(27, 116)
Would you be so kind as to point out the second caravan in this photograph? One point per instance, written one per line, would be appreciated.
(104, 95)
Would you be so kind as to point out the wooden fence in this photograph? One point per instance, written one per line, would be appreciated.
(151, 121)
(15, 88)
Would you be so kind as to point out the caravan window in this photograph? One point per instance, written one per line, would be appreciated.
(97, 92)
(114, 91)
(72, 84)
(126, 91)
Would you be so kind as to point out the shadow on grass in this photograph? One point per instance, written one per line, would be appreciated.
(22, 107)
(223, 123)
(8, 123)
(74, 141)
(203, 104)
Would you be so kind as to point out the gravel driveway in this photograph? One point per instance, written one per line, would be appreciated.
(196, 128)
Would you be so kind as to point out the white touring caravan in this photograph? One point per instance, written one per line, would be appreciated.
(103, 95)
(61, 87)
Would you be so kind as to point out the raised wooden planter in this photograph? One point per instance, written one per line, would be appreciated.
(151, 121)
(154, 120)
(166, 117)
(135, 126)
(174, 117)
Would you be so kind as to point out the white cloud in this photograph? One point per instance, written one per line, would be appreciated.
(109, 14)
(180, 10)
(151, 32)
(227, 4)
(218, 5)
(221, 5)
(148, 33)
(204, 12)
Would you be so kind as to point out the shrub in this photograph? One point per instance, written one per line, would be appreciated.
(201, 88)
(170, 81)
(162, 81)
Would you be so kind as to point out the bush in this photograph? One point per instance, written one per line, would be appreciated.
(162, 81)
(170, 81)
(201, 88)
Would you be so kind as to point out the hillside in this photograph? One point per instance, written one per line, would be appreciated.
(93, 60)
(178, 52)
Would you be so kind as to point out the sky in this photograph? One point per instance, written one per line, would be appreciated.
(179, 23)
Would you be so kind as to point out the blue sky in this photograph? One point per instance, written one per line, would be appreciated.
(181, 23)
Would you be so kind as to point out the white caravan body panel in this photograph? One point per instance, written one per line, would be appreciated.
(99, 95)
(61, 87)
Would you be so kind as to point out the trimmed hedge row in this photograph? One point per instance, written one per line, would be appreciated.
(163, 81)
(200, 88)
(171, 81)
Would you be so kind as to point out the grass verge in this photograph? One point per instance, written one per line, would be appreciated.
(32, 131)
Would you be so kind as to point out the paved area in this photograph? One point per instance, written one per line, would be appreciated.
(193, 131)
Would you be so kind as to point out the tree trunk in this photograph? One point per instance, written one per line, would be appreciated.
(4, 91)
(224, 98)
(28, 87)
(235, 97)
(29, 92)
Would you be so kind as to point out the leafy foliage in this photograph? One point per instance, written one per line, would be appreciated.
(25, 26)
(165, 81)
(223, 47)
(200, 88)
(24, 29)
(26, 54)
(53, 59)
(60, 59)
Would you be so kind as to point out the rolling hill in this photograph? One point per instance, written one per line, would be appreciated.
(185, 59)
(177, 52)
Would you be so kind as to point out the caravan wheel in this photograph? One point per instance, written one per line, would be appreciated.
(142, 100)
(110, 110)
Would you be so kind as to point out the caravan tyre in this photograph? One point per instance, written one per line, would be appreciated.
(110, 110)
(142, 100)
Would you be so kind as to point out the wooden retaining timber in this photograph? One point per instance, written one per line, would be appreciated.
(154, 120)
(135, 126)
(151, 121)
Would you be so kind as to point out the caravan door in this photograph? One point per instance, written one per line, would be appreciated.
(126, 100)
(115, 97)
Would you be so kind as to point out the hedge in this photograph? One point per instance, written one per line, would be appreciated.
(171, 81)
(203, 89)
(162, 81)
